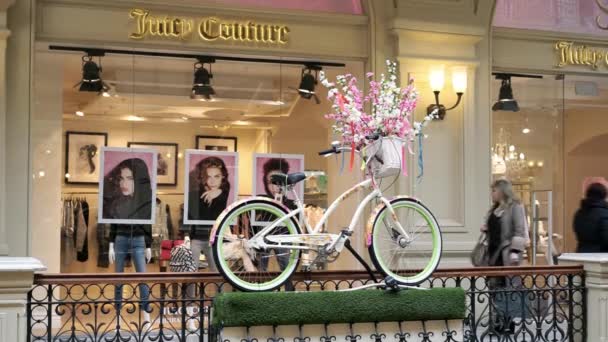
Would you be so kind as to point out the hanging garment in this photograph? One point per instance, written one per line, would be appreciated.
(160, 229)
(103, 245)
(81, 227)
(83, 255)
(68, 246)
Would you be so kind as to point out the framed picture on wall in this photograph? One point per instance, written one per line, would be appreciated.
(214, 143)
(127, 185)
(82, 161)
(210, 184)
(166, 167)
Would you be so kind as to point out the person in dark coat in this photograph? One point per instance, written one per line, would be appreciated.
(591, 221)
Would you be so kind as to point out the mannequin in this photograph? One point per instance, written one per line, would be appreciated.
(135, 240)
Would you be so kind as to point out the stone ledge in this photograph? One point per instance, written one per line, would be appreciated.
(598, 258)
(21, 264)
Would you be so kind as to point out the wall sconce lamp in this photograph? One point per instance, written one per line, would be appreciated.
(437, 81)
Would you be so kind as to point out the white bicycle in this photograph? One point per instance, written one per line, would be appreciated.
(257, 242)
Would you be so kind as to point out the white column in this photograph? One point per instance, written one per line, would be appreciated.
(596, 282)
(15, 138)
(16, 280)
(4, 34)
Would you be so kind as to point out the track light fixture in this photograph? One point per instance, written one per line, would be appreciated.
(201, 86)
(91, 75)
(506, 101)
(309, 81)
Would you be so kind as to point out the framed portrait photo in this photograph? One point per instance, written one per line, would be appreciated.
(213, 143)
(264, 165)
(166, 167)
(82, 156)
(127, 185)
(210, 183)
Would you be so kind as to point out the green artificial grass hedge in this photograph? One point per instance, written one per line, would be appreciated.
(239, 309)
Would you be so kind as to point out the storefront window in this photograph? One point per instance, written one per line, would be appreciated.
(146, 104)
(527, 149)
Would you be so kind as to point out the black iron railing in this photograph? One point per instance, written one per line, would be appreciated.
(503, 304)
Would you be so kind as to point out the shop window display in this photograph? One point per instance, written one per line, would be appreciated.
(527, 149)
(146, 106)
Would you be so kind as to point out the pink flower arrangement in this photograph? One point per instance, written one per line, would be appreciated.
(391, 108)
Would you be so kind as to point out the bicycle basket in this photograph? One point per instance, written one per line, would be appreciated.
(387, 157)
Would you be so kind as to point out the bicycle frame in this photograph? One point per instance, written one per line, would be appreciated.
(336, 239)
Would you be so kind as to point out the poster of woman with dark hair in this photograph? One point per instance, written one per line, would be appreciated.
(265, 166)
(127, 188)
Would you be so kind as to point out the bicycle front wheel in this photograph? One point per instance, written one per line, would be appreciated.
(244, 265)
(408, 258)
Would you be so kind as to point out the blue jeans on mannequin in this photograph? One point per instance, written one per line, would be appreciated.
(136, 246)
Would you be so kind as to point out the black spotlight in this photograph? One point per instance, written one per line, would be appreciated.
(201, 86)
(309, 82)
(91, 76)
(505, 102)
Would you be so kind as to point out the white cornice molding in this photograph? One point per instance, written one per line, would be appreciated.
(196, 10)
(440, 28)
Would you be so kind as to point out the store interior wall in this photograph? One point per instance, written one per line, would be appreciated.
(586, 141)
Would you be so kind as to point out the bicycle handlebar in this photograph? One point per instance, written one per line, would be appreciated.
(330, 151)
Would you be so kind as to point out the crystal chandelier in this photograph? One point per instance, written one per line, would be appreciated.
(507, 161)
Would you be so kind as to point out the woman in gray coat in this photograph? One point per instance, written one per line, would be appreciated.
(506, 229)
(505, 226)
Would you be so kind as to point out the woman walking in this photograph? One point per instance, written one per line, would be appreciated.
(507, 239)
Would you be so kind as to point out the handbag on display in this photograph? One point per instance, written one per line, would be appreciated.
(182, 260)
(166, 246)
(479, 255)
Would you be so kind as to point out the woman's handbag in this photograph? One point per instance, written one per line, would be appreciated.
(182, 260)
(166, 246)
(479, 255)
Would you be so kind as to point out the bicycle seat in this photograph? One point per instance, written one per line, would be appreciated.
(289, 179)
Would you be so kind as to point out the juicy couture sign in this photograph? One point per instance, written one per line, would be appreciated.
(573, 54)
(208, 29)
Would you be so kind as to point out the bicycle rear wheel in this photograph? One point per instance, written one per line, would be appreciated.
(408, 259)
(244, 266)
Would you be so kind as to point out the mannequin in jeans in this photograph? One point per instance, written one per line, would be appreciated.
(127, 195)
(207, 198)
(138, 245)
(198, 241)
